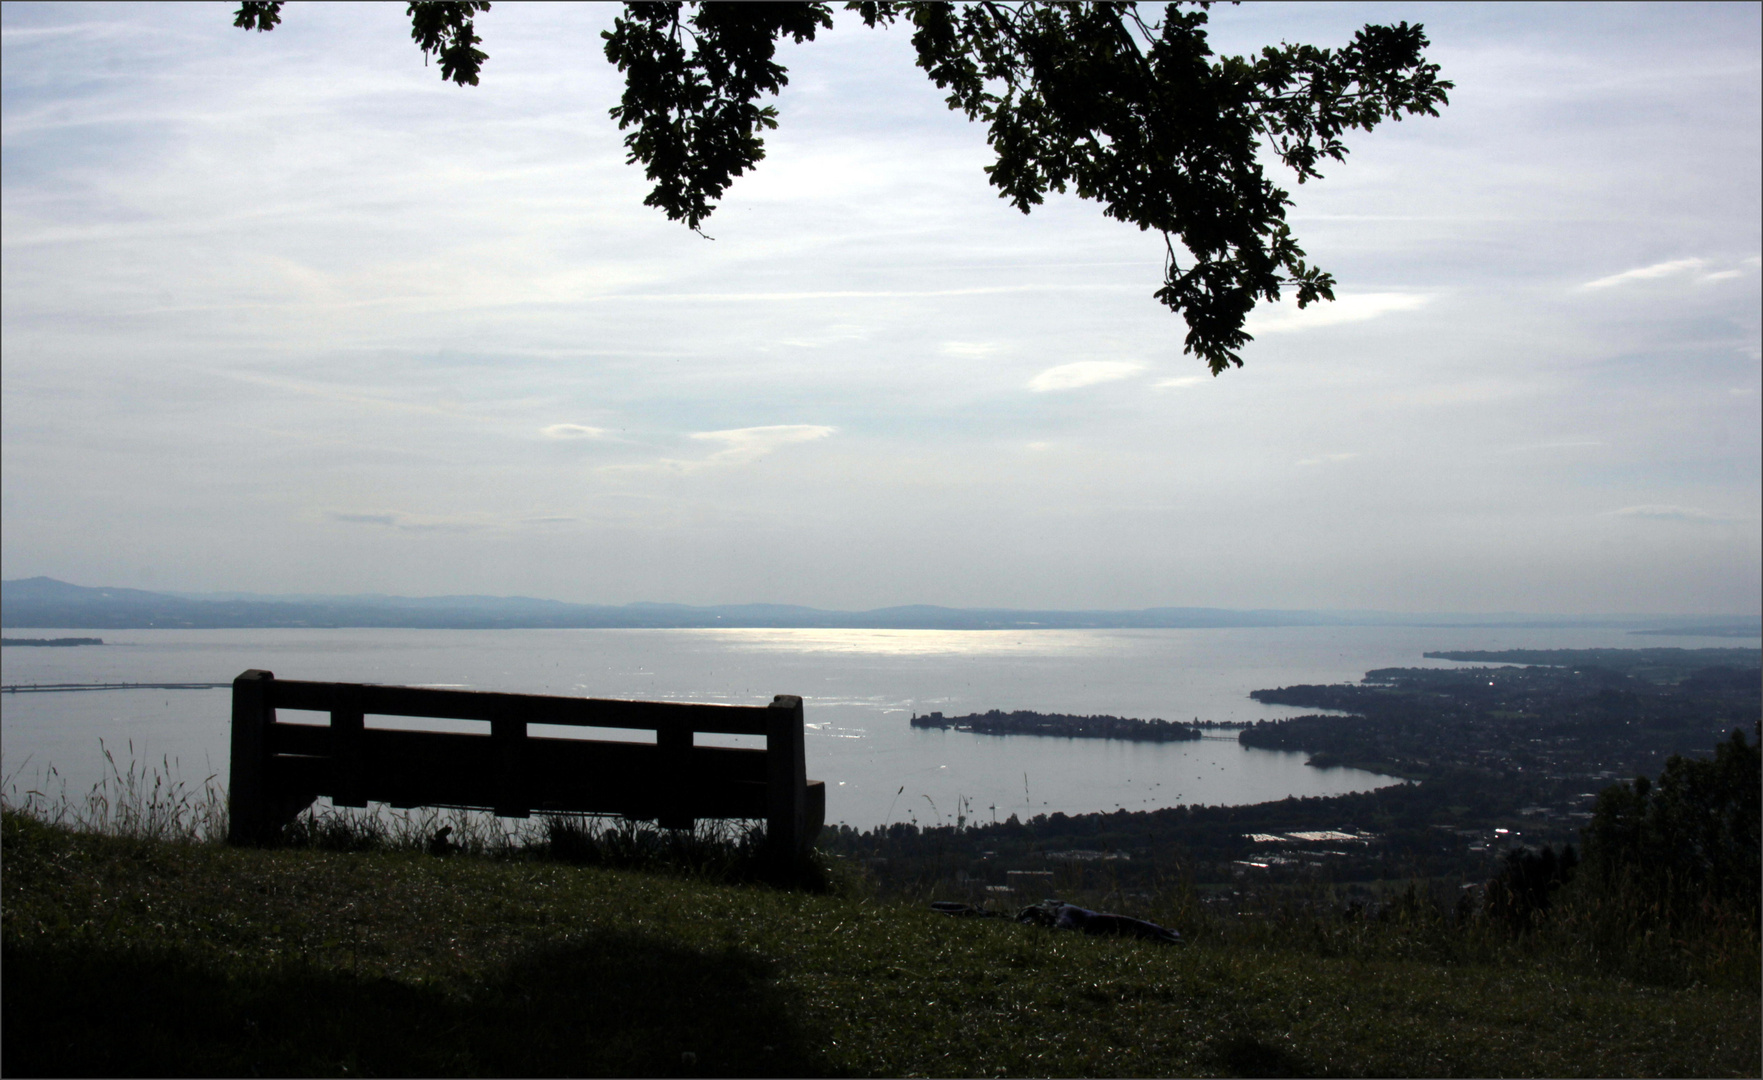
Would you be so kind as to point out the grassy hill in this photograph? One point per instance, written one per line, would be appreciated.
(131, 956)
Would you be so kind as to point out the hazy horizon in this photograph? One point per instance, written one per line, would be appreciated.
(285, 313)
(1346, 616)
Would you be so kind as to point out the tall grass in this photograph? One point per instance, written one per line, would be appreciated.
(1630, 930)
(1587, 929)
(140, 802)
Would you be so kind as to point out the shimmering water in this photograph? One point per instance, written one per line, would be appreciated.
(860, 686)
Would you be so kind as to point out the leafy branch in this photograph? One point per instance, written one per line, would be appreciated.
(1136, 114)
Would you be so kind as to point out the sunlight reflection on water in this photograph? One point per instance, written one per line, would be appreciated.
(911, 642)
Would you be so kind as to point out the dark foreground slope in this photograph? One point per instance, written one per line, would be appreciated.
(126, 957)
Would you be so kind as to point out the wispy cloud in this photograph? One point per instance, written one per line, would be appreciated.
(1459, 393)
(572, 431)
(1665, 512)
(364, 519)
(1694, 270)
(740, 446)
(751, 443)
(1562, 444)
(1286, 317)
(334, 393)
(397, 519)
(1083, 373)
(851, 294)
(1178, 382)
(1674, 268)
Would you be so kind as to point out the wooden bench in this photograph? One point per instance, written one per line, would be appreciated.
(279, 768)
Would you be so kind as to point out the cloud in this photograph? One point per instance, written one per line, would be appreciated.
(1564, 444)
(333, 393)
(364, 519)
(572, 431)
(1325, 459)
(405, 522)
(974, 349)
(1674, 268)
(1647, 273)
(440, 526)
(1083, 373)
(740, 446)
(1286, 317)
(1466, 392)
(752, 443)
(1178, 381)
(852, 294)
(1663, 512)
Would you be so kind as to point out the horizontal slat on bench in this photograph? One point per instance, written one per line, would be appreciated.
(532, 708)
(427, 768)
(725, 799)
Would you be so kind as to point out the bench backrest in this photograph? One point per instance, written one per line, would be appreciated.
(278, 768)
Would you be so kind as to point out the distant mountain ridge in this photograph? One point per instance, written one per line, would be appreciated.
(48, 603)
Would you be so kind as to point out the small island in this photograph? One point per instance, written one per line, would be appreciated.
(1021, 722)
(51, 641)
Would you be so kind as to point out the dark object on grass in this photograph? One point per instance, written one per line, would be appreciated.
(1062, 916)
(439, 844)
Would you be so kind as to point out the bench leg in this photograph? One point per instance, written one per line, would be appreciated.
(250, 809)
(786, 779)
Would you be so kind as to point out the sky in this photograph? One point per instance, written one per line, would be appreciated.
(287, 313)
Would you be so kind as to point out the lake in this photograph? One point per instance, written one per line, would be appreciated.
(860, 688)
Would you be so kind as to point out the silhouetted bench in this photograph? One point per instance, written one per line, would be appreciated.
(279, 768)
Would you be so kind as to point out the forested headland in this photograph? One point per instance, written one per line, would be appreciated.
(1498, 759)
(1024, 722)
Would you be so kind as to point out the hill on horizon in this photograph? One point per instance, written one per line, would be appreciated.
(44, 602)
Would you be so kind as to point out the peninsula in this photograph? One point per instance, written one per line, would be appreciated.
(58, 641)
(1021, 722)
